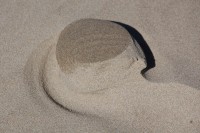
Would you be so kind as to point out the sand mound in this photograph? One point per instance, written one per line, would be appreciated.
(94, 67)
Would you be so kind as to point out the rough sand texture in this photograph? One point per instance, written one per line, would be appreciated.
(170, 28)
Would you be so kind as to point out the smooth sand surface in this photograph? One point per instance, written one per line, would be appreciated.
(168, 100)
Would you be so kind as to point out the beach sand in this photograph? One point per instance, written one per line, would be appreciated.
(167, 101)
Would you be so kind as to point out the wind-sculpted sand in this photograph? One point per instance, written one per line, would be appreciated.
(94, 68)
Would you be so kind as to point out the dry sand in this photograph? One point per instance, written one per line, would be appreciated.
(168, 100)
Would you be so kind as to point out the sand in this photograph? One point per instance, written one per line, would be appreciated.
(166, 99)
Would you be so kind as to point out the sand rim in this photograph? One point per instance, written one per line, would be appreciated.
(100, 73)
(108, 55)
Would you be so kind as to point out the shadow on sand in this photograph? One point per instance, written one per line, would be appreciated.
(138, 37)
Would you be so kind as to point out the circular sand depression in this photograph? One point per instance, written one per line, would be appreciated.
(90, 41)
(90, 57)
(110, 85)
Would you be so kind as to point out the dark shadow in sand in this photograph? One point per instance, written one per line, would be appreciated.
(138, 37)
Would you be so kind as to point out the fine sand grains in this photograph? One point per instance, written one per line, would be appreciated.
(108, 84)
